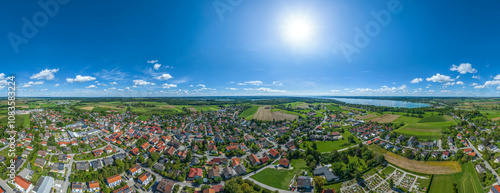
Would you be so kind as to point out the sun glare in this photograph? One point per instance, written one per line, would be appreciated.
(298, 30)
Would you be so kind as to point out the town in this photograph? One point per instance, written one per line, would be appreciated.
(76, 146)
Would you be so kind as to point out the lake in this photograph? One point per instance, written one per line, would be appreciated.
(378, 102)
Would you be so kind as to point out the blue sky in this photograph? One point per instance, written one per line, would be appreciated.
(243, 47)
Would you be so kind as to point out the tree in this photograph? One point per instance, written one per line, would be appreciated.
(357, 175)
(141, 159)
(199, 181)
(188, 156)
(314, 145)
(455, 188)
(391, 183)
(318, 183)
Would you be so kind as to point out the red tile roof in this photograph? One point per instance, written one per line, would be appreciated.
(24, 183)
(195, 172)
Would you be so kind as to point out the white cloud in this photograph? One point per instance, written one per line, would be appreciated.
(232, 88)
(253, 82)
(56, 85)
(497, 77)
(277, 83)
(142, 83)
(157, 66)
(480, 87)
(449, 84)
(440, 78)
(45, 89)
(201, 85)
(477, 76)
(383, 89)
(498, 88)
(446, 91)
(474, 84)
(492, 83)
(334, 90)
(164, 77)
(269, 90)
(113, 83)
(166, 85)
(459, 83)
(416, 80)
(152, 61)
(31, 83)
(464, 68)
(80, 79)
(91, 86)
(45, 74)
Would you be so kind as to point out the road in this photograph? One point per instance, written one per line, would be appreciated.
(486, 164)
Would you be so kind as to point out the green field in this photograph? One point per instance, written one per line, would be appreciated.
(388, 170)
(329, 146)
(467, 181)
(21, 120)
(436, 118)
(298, 164)
(248, 113)
(277, 178)
(334, 107)
(269, 176)
(423, 128)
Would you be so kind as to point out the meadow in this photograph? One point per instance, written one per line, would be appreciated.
(329, 146)
(467, 181)
(424, 128)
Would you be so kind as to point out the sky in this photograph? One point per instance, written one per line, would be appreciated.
(68, 48)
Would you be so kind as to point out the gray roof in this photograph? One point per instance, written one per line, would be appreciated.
(320, 171)
(44, 185)
(304, 181)
(240, 169)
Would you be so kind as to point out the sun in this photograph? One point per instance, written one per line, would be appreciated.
(298, 30)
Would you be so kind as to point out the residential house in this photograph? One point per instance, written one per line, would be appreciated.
(113, 180)
(144, 178)
(284, 162)
(195, 173)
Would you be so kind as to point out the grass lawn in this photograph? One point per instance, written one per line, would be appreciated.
(467, 181)
(335, 186)
(388, 170)
(328, 146)
(247, 114)
(277, 178)
(298, 164)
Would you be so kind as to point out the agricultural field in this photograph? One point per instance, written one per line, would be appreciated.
(248, 113)
(368, 116)
(264, 113)
(467, 181)
(429, 167)
(424, 128)
(334, 107)
(386, 118)
(21, 120)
